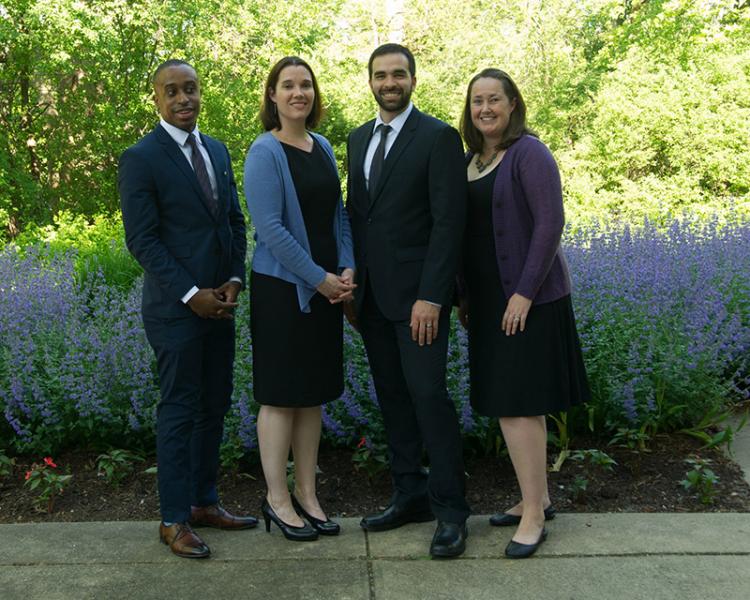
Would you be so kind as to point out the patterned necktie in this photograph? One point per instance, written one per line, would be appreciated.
(199, 166)
(376, 167)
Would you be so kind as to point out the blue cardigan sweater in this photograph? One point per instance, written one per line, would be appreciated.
(281, 246)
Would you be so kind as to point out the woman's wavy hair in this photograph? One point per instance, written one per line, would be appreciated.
(516, 125)
(269, 115)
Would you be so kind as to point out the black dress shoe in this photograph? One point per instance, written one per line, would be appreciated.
(395, 516)
(449, 540)
(295, 533)
(518, 550)
(326, 527)
(504, 519)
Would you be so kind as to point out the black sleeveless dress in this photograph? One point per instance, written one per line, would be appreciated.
(298, 357)
(534, 372)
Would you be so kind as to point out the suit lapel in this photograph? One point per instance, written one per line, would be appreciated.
(405, 136)
(361, 141)
(174, 153)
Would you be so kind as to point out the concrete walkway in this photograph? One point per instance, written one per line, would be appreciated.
(587, 556)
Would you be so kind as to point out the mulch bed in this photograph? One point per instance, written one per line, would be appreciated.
(640, 482)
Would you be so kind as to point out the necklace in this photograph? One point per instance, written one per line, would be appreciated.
(481, 166)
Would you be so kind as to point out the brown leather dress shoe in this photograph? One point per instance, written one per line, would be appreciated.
(217, 516)
(183, 541)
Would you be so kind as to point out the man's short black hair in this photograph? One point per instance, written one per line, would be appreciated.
(172, 62)
(393, 49)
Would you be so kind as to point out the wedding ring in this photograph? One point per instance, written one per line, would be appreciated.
(429, 325)
(516, 318)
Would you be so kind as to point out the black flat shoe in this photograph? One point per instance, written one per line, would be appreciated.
(395, 516)
(504, 519)
(327, 527)
(295, 533)
(518, 550)
(449, 540)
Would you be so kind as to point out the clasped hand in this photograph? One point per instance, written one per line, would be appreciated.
(338, 288)
(218, 303)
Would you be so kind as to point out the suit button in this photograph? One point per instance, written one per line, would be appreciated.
(369, 221)
(499, 233)
(506, 281)
(503, 257)
(217, 251)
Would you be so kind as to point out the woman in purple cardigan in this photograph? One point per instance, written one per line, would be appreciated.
(524, 353)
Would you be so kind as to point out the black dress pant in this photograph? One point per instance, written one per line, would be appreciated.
(417, 412)
(195, 362)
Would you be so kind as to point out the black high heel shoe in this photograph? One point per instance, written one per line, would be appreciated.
(295, 533)
(322, 527)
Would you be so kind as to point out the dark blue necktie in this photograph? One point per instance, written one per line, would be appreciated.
(199, 166)
(376, 167)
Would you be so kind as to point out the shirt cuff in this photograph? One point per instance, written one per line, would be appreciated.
(186, 298)
(237, 279)
(433, 303)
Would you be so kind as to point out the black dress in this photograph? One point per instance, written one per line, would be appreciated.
(534, 372)
(298, 357)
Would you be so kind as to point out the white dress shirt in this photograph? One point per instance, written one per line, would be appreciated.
(397, 125)
(180, 136)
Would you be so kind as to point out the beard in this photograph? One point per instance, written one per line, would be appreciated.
(397, 104)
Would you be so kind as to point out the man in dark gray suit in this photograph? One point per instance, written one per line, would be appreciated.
(407, 202)
(183, 224)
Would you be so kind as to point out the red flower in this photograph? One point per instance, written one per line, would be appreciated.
(362, 442)
(28, 475)
(49, 462)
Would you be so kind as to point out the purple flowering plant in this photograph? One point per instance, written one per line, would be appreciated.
(664, 320)
(75, 367)
(663, 315)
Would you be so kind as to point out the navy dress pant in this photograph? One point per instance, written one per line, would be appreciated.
(194, 359)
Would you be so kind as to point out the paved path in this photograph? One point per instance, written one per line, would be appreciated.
(615, 556)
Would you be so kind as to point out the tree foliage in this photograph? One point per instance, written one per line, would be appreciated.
(644, 102)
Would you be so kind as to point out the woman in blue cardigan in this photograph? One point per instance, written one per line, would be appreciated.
(303, 268)
(524, 354)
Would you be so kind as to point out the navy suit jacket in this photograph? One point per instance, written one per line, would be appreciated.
(407, 238)
(169, 227)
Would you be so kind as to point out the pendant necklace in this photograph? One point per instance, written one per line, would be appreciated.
(481, 166)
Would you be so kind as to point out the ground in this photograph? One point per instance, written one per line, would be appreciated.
(639, 482)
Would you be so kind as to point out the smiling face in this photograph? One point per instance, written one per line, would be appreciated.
(177, 95)
(490, 108)
(294, 94)
(391, 83)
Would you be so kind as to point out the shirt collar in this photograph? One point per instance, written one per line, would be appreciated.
(180, 135)
(398, 122)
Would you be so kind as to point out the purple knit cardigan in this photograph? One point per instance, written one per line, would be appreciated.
(527, 218)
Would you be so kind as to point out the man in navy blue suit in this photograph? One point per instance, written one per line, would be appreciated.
(183, 224)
